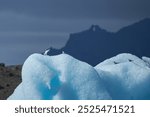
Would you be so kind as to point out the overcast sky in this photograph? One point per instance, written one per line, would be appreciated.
(28, 26)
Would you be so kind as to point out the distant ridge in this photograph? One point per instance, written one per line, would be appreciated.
(95, 44)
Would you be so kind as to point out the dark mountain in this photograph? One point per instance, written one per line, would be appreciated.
(95, 44)
(135, 38)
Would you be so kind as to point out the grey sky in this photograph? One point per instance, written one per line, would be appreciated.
(79, 8)
(28, 26)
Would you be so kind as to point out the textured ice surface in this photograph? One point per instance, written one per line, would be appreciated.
(146, 60)
(59, 77)
(124, 76)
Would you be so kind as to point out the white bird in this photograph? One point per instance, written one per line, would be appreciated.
(63, 52)
(46, 52)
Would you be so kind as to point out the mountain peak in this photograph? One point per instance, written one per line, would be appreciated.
(95, 28)
(96, 44)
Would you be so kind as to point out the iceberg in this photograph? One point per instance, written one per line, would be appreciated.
(59, 77)
(126, 77)
(62, 77)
